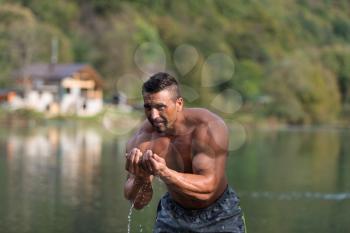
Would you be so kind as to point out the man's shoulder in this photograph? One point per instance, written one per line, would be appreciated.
(145, 127)
(202, 116)
(144, 130)
(210, 129)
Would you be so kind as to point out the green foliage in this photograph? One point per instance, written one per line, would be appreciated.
(303, 91)
(60, 13)
(262, 36)
(247, 79)
(24, 39)
(341, 27)
(337, 59)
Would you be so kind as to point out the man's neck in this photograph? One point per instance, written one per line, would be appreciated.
(178, 127)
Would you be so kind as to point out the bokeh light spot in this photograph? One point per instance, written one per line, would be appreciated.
(150, 58)
(217, 68)
(185, 58)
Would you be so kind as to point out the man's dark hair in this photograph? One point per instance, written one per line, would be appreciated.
(161, 81)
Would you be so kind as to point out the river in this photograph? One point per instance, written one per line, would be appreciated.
(68, 178)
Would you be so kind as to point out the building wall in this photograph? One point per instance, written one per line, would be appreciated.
(69, 96)
(75, 101)
(38, 100)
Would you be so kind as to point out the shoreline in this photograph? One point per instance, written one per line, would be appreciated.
(119, 116)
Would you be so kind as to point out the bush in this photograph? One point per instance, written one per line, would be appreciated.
(303, 91)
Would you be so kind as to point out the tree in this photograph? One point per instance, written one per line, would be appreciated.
(303, 91)
(24, 40)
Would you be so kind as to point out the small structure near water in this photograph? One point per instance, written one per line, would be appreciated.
(7, 96)
(60, 89)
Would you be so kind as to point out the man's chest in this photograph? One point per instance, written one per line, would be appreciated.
(177, 152)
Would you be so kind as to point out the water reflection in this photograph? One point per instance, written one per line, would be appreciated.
(65, 178)
(53, 181)
(294, 180)
(73, 155)
(290, 196)
(301, 159)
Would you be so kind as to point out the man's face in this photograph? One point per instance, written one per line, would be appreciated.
(161, 109)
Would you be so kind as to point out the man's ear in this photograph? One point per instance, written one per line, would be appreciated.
(179, 104)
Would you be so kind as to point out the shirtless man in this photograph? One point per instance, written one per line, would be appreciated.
(187, 149)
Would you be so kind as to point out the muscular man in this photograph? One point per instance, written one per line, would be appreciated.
(187, 149)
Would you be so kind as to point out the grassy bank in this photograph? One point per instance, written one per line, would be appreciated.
(121, 120)
(27, 117)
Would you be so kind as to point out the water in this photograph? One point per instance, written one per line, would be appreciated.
(132, 207)
(294, 180)
(68, 178)
(129, 217)
(289, 196)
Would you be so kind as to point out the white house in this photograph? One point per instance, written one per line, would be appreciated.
(61, 89)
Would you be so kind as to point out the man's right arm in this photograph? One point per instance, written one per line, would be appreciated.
(138, 186)
(138, 190)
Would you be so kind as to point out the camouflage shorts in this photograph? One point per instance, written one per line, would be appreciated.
(225, 215)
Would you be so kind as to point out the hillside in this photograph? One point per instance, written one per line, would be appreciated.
(291, 58)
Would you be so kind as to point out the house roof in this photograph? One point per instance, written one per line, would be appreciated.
(56, 72)
(49, 71)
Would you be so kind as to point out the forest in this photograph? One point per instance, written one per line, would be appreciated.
(291, 58)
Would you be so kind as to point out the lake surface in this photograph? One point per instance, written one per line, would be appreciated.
(68, 178)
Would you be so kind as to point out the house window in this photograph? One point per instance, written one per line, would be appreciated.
(84, 92)
(67, 90)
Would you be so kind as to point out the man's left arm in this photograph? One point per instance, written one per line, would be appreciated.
(208, 164)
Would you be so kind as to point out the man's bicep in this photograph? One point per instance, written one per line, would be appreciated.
(203, 164)
(210, 150)
(211, 138)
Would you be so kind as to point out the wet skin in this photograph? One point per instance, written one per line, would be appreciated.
(185, 147)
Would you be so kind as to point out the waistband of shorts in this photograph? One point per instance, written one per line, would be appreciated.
(223, 197)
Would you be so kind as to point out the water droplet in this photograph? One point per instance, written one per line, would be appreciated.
(141, 229)
(132, 207)
(129, 217)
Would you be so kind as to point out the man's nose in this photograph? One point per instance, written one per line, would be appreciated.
(154, 113)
